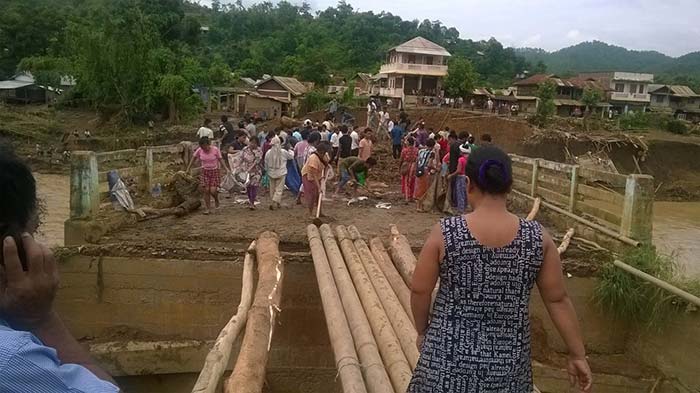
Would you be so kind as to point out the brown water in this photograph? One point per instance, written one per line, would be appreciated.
(677, 232)
(54, 191)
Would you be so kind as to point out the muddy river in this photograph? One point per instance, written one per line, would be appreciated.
(676, 224)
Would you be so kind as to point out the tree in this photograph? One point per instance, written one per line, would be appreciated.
(460, 77)
(540, 68)
(545, 106)
(591, 98)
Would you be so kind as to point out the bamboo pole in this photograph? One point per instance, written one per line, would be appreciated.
(217, 359)
(400, 320)
(389, 346)
(346, 360)
(535, 209)
(402, 255)
(566, 241)
(690, 298)
(249, 374)
(375, 374)
(397, 283)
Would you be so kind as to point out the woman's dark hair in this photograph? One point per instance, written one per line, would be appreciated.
(455, 153)
(314, 137)
(270, 135)
(224, 118)
(305, 134)
(203, 141)
(18, 196)
(491, 170)
(463, 136)
(410, 141)
(430, 143)
(323, 148)
(255, 141)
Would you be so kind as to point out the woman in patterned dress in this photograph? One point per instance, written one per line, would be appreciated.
(477, 337)
(210, 177)
(251, 161)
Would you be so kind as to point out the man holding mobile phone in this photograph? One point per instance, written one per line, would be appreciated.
(37, 352)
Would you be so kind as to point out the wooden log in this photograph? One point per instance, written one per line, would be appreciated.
(249, 374)
(346, 361)
(400, 320)
(217, 359)
(375, 374)
(535, 209)
(402, 255)
(397, 283)
(389, 345)
(566, 241)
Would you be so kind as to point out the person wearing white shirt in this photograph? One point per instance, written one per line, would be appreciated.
(335, 143)
(355, 148)
(205, 130)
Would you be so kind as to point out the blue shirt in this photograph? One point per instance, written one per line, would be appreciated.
(396, 135)
(26, 365)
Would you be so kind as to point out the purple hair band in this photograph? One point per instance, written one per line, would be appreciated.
(488, 164)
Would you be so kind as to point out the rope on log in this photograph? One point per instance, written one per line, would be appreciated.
(389, 346)
(400, 321)
(249, 374)
(566, 241)
(347, 363)
(535, 209)
(373, 369)
(392, 275)
(402, 255)
(217, 359)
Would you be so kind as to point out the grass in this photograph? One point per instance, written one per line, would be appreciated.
(633, 299)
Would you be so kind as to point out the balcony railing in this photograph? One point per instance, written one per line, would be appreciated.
(390, 92)
(425, 69)
(630, 97)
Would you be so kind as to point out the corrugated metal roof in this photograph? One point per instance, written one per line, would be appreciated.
(422, 46)
(675, 90)
(13, 84)
(290, 84)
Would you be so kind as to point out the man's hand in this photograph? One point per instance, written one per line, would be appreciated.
(26, 298)
(580, 375)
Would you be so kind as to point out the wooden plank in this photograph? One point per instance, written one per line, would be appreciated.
(523, 165)
(521, 159)
(533, 182)
(600, 213)
(555, 183)
(552, 196)
(614, 179)
(556, 166)
(127, 154)
(520, 185)
(134, 171)
(522, 173)
(585, 191)
(573, 189)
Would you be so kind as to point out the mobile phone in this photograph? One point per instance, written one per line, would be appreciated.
(17, 235)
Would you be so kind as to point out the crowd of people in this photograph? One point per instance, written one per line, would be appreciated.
(301, 159)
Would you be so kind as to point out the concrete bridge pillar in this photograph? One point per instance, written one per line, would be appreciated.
(84, 185)
(637, 213)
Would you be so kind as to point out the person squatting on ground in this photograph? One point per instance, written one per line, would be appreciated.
(427, 175)
(488, 260)
(355, 169)
(210, 177)
(37, 352)
(276, 168)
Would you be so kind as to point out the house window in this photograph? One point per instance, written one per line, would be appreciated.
(641, 89)
(429, 60)
(659, 99)
(633, 88)
(399, 83)
(411, 59)
(619, 87)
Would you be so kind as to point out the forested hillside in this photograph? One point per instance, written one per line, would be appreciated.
(599, 56)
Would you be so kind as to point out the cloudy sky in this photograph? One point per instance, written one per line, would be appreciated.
(668, 26)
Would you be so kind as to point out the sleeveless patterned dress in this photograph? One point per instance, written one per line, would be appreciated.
(478, 340)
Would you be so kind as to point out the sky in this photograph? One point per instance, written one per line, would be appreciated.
(667, 26)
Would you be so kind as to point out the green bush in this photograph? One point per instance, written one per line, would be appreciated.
(677, 127)
(314, 100)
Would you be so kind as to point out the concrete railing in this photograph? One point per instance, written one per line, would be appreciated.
(621, 203)
(144, 166)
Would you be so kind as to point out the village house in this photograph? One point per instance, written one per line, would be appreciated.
(567, 96)
(286, 89)
(413, 73)
(626, 91)
(363, 83)
(679, 100)
(23, 89)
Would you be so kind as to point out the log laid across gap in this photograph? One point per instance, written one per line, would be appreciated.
(392, 275)
(347, 363)
(249, 373)
(375, 373)
(402, 255)
(400, 320)
(389, 346)
(217, 359)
